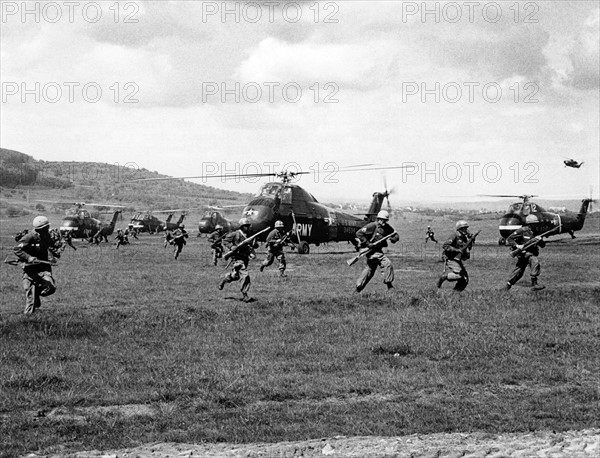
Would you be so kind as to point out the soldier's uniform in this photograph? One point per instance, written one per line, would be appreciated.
(275, 243)
(179, 241)
(240, 258)
(430, 235)
(121, 238)
(168, 238)
(453, 251)
(69, 239)
(367, 236)
(216, 244)
(21, 234)
(528, 257)
(133, 233)
(37, 245)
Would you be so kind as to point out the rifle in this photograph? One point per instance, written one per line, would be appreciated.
(366, 251)
(533, 242)
(230, 253)
(15, 262)
(469, 244)
(214, 245)
(281, 242)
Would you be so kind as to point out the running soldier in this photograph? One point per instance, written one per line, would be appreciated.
(168, 238)
(457, 250)
(368, 237)
(121, 238)
(242, 253)
(430, 235)
(179, 237)
(275, 243)
(216, 243)
(37, 252)
(527, 255)
(132, 231)
(68, 238)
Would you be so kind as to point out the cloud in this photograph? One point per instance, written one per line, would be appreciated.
(353, 65)
(516, 51)
(584, 56)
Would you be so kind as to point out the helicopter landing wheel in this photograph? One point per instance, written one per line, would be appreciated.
(303, 248)
(501, 241)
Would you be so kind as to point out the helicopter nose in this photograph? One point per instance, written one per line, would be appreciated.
(509, 224)
(260, 217)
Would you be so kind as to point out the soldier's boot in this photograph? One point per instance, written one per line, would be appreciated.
(441, 280)
(535, 286)
(222, 284)
(282, 274)
(507, 286)
(261, 268)
(389, 286)
(245, 297)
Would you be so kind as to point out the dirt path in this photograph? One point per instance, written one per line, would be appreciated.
(571, 444)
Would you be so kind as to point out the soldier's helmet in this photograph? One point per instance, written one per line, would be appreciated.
(182, 226)
(278, 224)
(218, 227)
(462, 224)
(40, 222)
(383, 215)
(531, 219)
(428, 227)
(244, 222)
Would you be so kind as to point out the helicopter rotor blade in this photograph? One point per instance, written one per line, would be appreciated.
(286, 175)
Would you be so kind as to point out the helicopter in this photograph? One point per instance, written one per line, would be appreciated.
(79, 223)
(572, 163)
(310, 221)
(514, 218)
(214, 216)
(149, 223)
(209, 222)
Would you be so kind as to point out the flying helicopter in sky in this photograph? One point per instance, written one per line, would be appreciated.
(517, 212)
(572, 163)
(310, 221)
(79, 223)
(147, 222)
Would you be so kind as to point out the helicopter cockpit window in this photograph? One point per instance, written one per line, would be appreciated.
(270, 190)
(286, 196)
(516, 208)
(84, 214)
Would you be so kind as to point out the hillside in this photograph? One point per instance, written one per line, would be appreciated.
(24, 181)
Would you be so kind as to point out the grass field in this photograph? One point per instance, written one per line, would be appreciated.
(307, 358)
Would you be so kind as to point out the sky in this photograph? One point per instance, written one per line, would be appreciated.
(471, 97)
